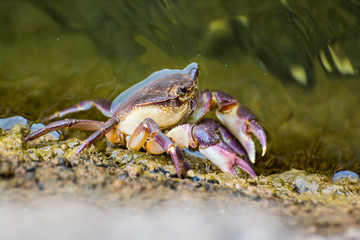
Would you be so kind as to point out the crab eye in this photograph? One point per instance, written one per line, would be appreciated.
(182, 90)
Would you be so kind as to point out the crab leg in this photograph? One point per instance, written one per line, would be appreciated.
(102, 104)
(89, 125)
(149, 128)
(239, 120)
(102, 130)
(210, 145)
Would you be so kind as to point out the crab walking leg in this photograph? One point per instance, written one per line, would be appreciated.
(102, 104)
(227, 137)
(149, 128)
(89, 125)
(239, 120)
(102, 130)
(210, 145)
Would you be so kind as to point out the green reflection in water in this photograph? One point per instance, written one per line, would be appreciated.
(54, 54)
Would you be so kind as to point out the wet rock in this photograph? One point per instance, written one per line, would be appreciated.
(8, 123)
(137, 177)
(296, 180)
(303, 185)
(13, 139)
(345, 174)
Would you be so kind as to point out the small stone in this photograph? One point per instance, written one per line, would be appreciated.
(8, 123)
(118, 183)
(303, 185)
(59, 152)
(345, 174)
(134, 171)
(255, 196)
(6, 169)
(196, 179)
(41, 186)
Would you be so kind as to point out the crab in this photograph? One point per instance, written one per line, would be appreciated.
(164, 113)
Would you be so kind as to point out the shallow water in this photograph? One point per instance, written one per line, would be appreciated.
(294, 64)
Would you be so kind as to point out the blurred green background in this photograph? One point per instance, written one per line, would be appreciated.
(295, 64)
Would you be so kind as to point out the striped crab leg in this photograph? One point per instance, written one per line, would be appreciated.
(149, 128)
(102, 104)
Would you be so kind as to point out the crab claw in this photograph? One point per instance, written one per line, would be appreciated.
(218, 152)
(241, 122)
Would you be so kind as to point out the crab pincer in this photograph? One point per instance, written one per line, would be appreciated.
(220, 153)
(221, 148)
(241, 122)
(237, 119)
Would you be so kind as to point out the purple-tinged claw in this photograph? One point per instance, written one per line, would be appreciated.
(224, 158)
(241, 122)
(218, 152)
(255, 128)
(245, 166)
(227, 137)
(243, 128)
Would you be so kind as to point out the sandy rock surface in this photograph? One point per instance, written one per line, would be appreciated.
(113, 192)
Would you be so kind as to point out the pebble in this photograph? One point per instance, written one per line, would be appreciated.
(8, 123)
(345, 174)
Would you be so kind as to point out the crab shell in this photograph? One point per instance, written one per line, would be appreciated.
(166, 96)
